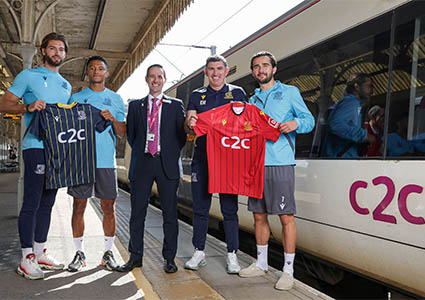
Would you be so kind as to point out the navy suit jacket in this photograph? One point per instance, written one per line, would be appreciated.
(172, 135)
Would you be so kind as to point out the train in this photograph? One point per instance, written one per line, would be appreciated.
(364, 214)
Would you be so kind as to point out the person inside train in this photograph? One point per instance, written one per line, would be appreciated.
(375, 127)
(217, 93)
(155, 132)
(345, 134)
(105, 187)
(284, 104)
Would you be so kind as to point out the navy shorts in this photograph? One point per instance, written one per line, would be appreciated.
(105, 187)
(278, 196)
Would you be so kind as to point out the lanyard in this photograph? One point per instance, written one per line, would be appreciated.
(155, 114)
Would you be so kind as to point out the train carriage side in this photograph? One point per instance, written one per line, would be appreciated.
(364, 214)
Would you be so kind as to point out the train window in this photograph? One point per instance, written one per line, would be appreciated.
(406, 124)
(184, 91)
(340, 131)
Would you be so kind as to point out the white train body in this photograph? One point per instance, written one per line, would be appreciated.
(366, 215)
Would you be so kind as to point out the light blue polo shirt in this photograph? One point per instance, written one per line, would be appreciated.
(39, 84)
(105, 141)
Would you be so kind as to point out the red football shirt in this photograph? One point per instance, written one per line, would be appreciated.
(236, 140)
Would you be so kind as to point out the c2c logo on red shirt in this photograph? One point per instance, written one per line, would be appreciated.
(235, 142)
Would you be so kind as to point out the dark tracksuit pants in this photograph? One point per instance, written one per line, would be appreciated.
(35, 214)
(202, 204)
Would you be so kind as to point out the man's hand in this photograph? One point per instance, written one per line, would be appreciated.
(288, 126)
(38, 105)
(192, 121)
(106, 114)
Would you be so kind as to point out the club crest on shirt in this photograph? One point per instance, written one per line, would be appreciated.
(56, 118)
(277, 96)
(247, 126)
(228, 95)
(65, 85)
(202, 102)
(223, 122)
(107, 102)
(272, 123)
(203, 97)
(39, 169)
(262, 113)
(81, 115)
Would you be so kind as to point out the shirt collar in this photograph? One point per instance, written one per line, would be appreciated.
(222, 90)
(150, 97)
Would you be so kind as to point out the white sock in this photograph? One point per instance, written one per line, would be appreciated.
(109, 242)
(26, 251)
(288, 266)
(262, 261)
(78, 243)
(38, 248)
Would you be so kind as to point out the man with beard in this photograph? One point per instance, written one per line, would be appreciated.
(37, 87)
(346, 136)
(217, 93)
(105, 187)
(284, 104)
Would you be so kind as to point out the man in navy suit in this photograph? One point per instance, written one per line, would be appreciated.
(156, 135)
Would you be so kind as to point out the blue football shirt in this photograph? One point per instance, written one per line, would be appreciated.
(105, 141)
(68, 133)
(39, 84)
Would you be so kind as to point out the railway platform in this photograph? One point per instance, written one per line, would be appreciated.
(150, 282)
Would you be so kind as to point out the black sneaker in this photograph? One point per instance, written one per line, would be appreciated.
(108, 261)
(78, 262)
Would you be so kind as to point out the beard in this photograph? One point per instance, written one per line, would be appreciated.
(50, 61)
(267, 79)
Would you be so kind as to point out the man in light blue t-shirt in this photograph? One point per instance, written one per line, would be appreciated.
(105, 187)
(37, 87)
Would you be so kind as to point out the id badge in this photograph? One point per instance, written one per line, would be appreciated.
(151, 137)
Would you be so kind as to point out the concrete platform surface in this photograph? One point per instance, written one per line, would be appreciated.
(150, 282)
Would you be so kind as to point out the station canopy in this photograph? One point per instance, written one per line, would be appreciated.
(124, 32)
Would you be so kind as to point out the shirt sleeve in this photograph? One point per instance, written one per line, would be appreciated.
(37, 125)
(267, 125)
(192, 101)
(120, 114)
(100, 124)
(204, 122)
(302, 114)
(20, 84)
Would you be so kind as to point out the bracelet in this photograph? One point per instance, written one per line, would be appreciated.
(27, 108)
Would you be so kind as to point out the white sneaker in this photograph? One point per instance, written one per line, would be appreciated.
(197, 261)
(285, 282)
(233, 266)
(46, 261)
(29, 268)
(252, 271)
